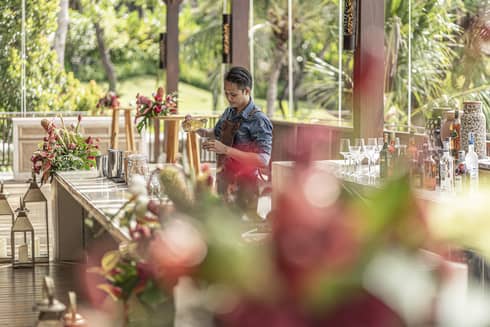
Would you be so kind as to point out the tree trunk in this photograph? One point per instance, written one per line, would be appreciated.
(60, 36)
(106, 58)
(274, 78)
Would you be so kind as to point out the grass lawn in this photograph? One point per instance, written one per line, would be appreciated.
(195, 100)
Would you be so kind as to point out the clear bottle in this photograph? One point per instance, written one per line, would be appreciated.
(446, 170)
(430, 169)
(471, 159)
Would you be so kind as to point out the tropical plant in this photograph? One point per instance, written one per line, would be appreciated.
(48, 87)
(63, 148)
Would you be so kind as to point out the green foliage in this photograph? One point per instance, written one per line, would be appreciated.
(49, 88)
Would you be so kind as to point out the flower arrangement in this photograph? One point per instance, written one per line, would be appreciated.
(161, 105)
(110, 100)
(63, 148)
(332, 257)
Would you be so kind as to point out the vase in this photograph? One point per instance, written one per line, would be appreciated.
(473, 121)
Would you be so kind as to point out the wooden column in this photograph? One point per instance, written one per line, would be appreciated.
(240, 14)
(170, 142)
(172, 45)
(115, 129)
(368, 70)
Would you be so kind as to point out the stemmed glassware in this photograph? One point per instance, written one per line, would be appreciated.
(370, 150)
(357, 154)
(345, 152)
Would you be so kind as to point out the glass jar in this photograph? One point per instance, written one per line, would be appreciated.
(137, 165)
(473, 121)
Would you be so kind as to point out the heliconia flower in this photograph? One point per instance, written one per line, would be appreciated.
(158, 108)
(89, 140)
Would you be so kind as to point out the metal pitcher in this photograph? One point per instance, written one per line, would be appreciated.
(115, 164)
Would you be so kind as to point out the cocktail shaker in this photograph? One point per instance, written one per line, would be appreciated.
(115, 164)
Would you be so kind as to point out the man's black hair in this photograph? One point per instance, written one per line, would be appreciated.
(239, 76)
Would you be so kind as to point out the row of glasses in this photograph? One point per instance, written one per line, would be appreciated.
(357, 152)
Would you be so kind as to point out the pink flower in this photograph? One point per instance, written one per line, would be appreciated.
(72, 146)
(158, 108)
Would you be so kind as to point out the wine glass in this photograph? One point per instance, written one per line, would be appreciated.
(370, 150)
(345, 152)
(356, 152)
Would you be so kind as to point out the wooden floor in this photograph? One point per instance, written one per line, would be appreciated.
(21, 288)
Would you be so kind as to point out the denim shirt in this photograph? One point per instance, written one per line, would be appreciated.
(254, 134)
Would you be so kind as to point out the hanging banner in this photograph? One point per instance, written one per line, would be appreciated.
(350, 24)
(163, 51)
(226, 37)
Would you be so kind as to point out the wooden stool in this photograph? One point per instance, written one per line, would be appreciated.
(171, 141)
(128, 129)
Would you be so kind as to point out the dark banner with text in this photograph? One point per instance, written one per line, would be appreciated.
(226, 38)
(350, 24)
(163, 51)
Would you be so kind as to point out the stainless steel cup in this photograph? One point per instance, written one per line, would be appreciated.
(98, 166)
(115, 163)
(103, 164)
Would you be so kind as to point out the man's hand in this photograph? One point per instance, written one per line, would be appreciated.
(215, 146)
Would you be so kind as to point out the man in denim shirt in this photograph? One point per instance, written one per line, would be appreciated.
(242, 139)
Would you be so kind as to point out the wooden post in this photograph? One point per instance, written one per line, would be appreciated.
(115, 128)
(240, 14)
(171, 128)
(129, 130)
(172, 140)
(193, 153)
(368, 93)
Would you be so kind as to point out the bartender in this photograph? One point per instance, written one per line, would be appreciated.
(242, 140)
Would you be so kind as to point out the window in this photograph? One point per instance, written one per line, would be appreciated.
(436, 56)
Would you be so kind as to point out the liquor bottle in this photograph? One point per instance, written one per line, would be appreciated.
(455, 129)
(459, 172)
(430, 169)
(471, 159)
(384, 158)
(412, 147)
(392, 155)
(193, 124)
(446, 170)
(416, 169)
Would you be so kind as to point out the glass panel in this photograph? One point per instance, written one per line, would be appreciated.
(447, 56)
(315, 61)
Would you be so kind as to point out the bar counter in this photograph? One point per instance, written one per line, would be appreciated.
(78, 195)
(283, 170)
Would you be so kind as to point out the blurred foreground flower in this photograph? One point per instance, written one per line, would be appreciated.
(334, 257)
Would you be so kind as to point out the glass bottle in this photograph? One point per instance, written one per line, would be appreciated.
(459, 172)
(471, 159)
(455, 129)
(446, 170)
(430, 170)
(384, 158)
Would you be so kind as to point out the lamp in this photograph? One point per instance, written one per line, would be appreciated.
(5, 210)
(37, 204)
(22, 225)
